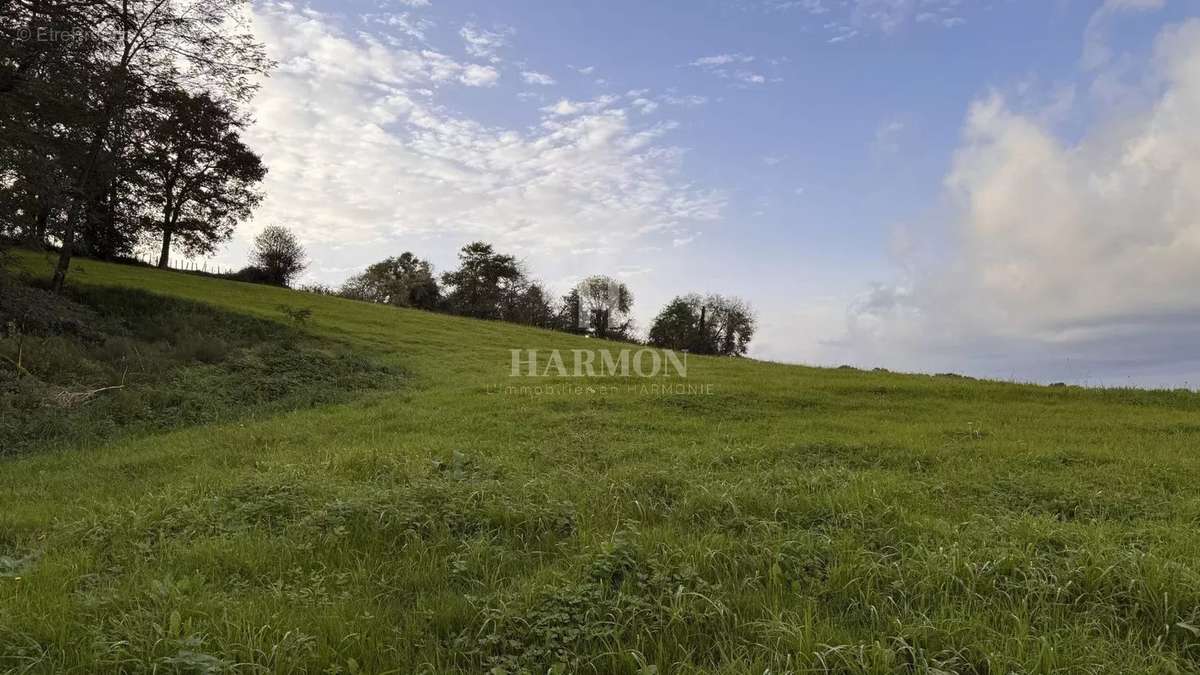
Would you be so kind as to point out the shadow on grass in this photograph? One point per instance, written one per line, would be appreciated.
(83, 369)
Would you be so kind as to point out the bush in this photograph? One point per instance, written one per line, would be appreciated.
(253, 275)
(297, 315)
(36, 311)
(319, 289)
(201, 349)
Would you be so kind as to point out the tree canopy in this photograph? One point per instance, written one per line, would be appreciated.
(605, 304)
(404, 280)
(198, 177)
(483, 282)
(279, 255)
(714, 324)
(77, 78)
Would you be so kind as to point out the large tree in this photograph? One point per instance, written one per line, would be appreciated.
(569, 313)
(714, 324)
(482, 281)
(404, 280)
(678, 326)
(45, 107)
(198, 176)
(529, 303)
(120, 49)
(606, 304)
(732, 322)
(112, 222)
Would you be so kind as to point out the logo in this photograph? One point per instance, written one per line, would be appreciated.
(645, 363)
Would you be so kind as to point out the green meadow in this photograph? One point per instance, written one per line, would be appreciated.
(394, 509)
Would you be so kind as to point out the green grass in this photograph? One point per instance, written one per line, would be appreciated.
(795, 520)
(109, 361)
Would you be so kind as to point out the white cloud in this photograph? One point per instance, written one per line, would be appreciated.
(1078, 252)
(484, 44)
(534, 77)
(810, 6)
(686, 101)
(716, 64)
(360, 153)
(565, 107)
(1096, 51)
(398, 22)
(847, 19)
(475, 75)
(721, 60)
(845, 34)
(644, 105)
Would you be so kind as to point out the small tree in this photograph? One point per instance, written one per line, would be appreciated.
(278, 253)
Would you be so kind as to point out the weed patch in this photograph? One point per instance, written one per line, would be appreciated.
(624, 597)
(112, 361)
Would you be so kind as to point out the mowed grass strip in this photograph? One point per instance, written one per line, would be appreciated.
(795, 520)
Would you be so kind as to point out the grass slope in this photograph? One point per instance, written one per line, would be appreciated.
(796, 520)
(103, 362)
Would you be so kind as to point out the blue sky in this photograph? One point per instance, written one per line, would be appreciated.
(1002, 188)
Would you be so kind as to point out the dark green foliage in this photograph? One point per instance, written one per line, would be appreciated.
(28, 310)
(606, 304)
(484, 278)
(106, 233)
(529, 304)
(80, 370)
(677, 327)
(569, 318)
(403, 281)
(278, 254)
(318, 289)
(624, 596)
(72, 110)
(252, 275)
(195, 170)
(297, 315)
(715, 324)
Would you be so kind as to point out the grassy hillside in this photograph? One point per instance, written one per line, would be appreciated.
(795, 520)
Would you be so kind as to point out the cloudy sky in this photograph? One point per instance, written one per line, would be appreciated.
(1003, 188)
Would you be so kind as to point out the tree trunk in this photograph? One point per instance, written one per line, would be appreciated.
(164, 258)
(68, 245)
(103, 129)
(68, 235)
(38, 236)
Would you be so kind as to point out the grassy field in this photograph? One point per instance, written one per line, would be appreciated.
(792, 520)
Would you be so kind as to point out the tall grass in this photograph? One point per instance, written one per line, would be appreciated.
(795, 520)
